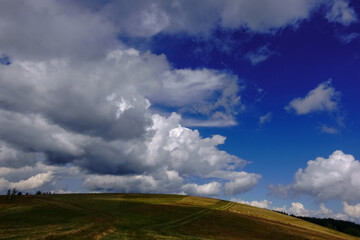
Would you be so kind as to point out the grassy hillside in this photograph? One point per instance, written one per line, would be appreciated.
(147, 216)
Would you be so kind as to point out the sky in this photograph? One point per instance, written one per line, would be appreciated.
(249, 101)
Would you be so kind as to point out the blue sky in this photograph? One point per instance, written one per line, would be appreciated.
(253, 101)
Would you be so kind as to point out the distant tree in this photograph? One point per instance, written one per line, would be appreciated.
(38, 192)
(8, 194)
(14, 192)
(19, 194)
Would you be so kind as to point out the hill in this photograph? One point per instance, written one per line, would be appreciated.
(147, 216)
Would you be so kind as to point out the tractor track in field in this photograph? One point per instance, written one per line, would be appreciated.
(194, 216)
(75, 207)
(100, 216)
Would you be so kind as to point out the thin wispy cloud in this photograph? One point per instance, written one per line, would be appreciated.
(259, 55)
(266, 118)
(329, 130)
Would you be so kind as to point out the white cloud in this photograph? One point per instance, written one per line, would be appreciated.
(162, 182)
(337, 177)
(323, 98)
(134, 183)
(260, 204)
(172, 155)
(341, 12)
(298, 209)
(32, 182)
(259, 55)
(266, 118)
(37, 176)
(243, 182)
(185, 152)
(352, 210)
(170, 150)
(209, 189)
(61, 112)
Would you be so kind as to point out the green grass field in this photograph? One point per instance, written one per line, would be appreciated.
(147, 216)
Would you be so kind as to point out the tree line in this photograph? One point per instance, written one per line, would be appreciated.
(12, 193)
(338, 225)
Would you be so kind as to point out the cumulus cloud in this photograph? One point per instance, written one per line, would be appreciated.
(134, 183)
(175, 152)
(350, 213)
(298, 209)
(209, 189)
(163, 181)
(323, 98)
(352, 210)
(243, 182)
(96, 116)
(336, 177)
(260, 204)
(127, 78)
(32, 182)
(36, 176)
